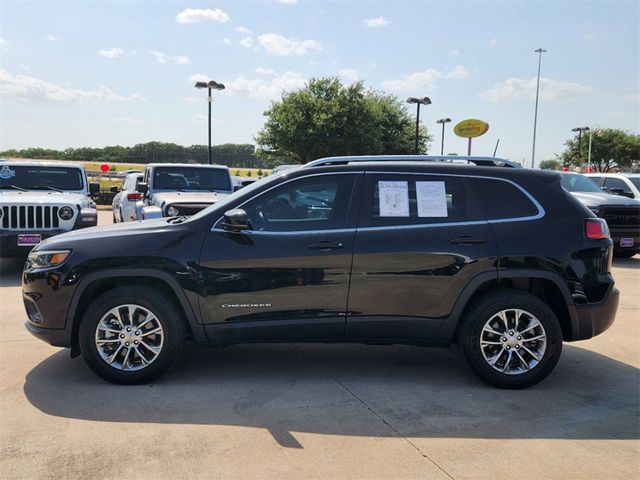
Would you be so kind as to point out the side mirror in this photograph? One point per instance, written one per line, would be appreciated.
(114, 189)
(94, 189)
(143, 188)
(235, 220)
(237, 187)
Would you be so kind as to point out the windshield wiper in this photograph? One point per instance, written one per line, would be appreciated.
(13, 186)
(53, 188)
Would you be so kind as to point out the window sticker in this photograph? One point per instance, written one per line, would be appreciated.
(432, 199)
(393, 198)
(6, 173)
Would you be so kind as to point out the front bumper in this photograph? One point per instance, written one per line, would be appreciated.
(9, 241)
(593, 319)
(55, 337)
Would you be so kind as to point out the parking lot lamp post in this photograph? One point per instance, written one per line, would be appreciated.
(442, 121)
(211, 85)
(539, 51)
(580, 130)
(418, 102)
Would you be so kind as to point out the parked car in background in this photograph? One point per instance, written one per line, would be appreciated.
(240, 182)
(41, 199)
(621, 213)
(126, 173)
(127, 203)
(626, 184)
(284, 168)
(377, 250)
(177, 189)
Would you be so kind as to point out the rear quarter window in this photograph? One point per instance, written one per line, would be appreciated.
(503, 200)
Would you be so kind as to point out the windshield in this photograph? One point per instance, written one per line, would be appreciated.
(191, 179)
(635, 181)
(578, 183)
(21, 177)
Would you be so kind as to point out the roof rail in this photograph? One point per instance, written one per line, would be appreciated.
(479, 161)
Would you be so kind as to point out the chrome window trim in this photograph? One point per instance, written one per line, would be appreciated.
(214, 227)
(541, 211)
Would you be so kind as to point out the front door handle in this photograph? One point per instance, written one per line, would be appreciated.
(326, 246)
(468, 240)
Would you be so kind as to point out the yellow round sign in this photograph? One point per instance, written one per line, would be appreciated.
(471, 128)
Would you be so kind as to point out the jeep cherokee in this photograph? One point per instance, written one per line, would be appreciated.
(376, 250)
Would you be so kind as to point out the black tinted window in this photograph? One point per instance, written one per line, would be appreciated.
(397, 199)
(191, 178)
(316, 203)
(616, 183)
(501, 199)
(41, 178)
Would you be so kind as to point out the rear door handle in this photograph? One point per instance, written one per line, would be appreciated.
(326, 246)
(468, 240)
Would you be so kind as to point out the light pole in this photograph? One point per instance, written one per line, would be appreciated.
(211, 85)
(591, 130)
(443, 121)
(539, 51)
(418, 102)
(580, 130)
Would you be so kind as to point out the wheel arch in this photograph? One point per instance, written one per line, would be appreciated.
(99, 282)
(547, 286)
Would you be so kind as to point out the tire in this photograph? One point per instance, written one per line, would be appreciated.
(530, 360)
(114, 218)
(159, 340)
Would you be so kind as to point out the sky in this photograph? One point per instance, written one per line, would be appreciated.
(122, 72)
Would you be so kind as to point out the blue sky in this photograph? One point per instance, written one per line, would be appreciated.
(104, 73)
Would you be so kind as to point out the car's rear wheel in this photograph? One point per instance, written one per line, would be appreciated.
(511, 339)
(131, 335)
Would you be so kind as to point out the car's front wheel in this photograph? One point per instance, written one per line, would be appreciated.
(131, 335)
(511, 339)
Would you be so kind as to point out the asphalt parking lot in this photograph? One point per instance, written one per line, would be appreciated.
(320, 411)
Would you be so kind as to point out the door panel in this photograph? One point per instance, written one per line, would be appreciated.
(278, 283)
(406, 277)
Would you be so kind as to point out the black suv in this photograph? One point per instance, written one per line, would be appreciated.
(376, 250)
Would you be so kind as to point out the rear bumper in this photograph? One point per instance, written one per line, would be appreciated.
(593, 319)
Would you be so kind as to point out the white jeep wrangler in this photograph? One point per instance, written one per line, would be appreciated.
(42, 199)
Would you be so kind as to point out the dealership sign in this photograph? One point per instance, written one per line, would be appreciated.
(470, 128)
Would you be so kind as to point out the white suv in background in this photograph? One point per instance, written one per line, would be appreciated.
(128, 201)
(626, 184)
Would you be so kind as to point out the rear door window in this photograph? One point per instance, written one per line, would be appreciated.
(405, 199)
(503, 200)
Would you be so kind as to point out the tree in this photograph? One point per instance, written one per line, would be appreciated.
(551, 165)
(327, 118)
(610, 148)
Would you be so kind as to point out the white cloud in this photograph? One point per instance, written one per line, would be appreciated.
(260, 88)
(282, 46)
(493, 42)
(199, 15)
(190, 99)
(198, 77)
(226, 41)
(515, 89)
(376, 22)
(454, 53)
(264, 71)
(243, 30)
(288, 2)
(423, 81)
(247, 42)
(127, 120)
(200, 118)
(30, 89)
(349, 74)
(52, 38)
(111, 53)
(162, 57)
(25, 67)
(4, 45)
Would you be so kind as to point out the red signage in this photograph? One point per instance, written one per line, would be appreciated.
(104, 167)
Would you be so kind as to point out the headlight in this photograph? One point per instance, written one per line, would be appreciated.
(172, 211)
(47, 258)
(65, 213)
